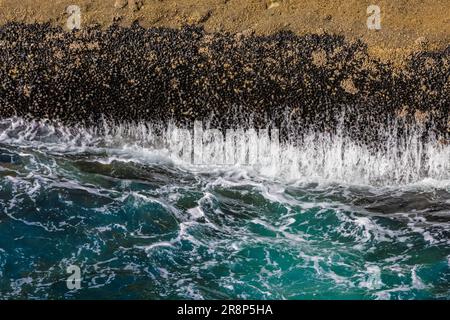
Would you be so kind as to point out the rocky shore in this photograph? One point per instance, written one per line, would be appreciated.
(404, 24)
(162, 74)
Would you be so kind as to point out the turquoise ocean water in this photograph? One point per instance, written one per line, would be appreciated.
(141, 224)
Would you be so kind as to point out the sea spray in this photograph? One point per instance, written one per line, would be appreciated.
(402, 158)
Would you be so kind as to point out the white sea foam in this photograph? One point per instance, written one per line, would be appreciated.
(405, 160)
(372, 278)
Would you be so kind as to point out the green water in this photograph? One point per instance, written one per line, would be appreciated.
(141, 226)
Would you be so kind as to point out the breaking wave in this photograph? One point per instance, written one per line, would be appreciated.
(321, 157)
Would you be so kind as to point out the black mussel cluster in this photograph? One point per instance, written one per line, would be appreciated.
(296, 83)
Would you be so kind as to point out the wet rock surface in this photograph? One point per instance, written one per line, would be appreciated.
(297, 82)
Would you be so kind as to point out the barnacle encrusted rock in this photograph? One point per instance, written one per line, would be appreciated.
(162, 74)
